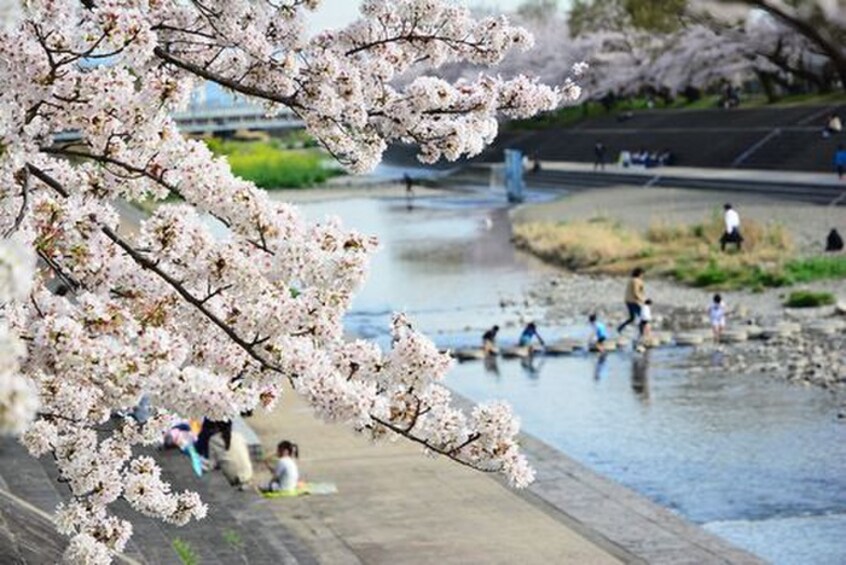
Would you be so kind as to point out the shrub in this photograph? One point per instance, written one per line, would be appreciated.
(809, 299)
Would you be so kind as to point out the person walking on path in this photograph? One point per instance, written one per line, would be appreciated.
(409, 190)
(599, 156)
(732, 233)
(840, 161)
(634, 298)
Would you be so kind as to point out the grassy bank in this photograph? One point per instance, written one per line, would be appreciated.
(690, 254)
(269, 165)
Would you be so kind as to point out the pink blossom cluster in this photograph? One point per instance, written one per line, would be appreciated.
(205, 325)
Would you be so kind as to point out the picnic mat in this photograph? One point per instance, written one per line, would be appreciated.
(303, 489)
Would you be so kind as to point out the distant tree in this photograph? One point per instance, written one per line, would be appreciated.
(821, 22)
(538, 10)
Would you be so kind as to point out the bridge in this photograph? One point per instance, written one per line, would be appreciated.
(213, 110)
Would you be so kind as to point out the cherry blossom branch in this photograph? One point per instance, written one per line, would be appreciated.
(24, 203)
(289, 101)
(451, 453)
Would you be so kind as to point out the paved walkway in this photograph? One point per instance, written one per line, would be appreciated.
(798, 177)
(396, 506)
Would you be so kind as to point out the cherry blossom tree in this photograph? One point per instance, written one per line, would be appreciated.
(821, 22)
(208, 326)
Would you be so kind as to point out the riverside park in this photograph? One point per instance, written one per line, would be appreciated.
(276, 294)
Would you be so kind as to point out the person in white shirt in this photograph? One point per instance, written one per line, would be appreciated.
(646, 319)
(732, 233)
(717, 315)
(286, 475)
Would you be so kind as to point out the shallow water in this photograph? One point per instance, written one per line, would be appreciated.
(754, 460)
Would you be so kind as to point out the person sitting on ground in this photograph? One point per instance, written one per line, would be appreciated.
(489, 341)
(833, 242)
(665, 158)
(529, 333)
(599, 336)
(286, 475)
(229, 452)
(732, 233)
(634, 298)
(717, 315)
(833, 125)
(645, 326)
(840, 161)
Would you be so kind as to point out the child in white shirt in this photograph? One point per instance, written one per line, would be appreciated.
(646, 319)
(717, 315)
(286, 475)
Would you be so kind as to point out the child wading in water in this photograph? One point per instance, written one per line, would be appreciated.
(717, 315)
(286, 475)
(646, 320)
(597, 340)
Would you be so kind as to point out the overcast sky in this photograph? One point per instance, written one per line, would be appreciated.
(336, 13)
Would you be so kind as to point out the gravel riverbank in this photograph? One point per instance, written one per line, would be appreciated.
(814, 357)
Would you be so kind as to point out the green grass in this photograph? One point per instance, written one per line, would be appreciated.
(809, 299)
(816, 268)
(185, 553)
(270, 165)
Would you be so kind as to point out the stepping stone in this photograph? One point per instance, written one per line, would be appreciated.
(754, 332)
(573, 344)
(608, 346)
(689, 338)
(824, 327)
(469, 354)
(558, 348)
(517, 351)
(651, 342)
(782, 329)
(662, 338)
(623, 342)
(734, 336)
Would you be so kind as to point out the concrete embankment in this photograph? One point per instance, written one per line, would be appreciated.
(396, 506)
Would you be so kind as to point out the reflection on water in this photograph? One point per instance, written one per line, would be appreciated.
(754, 460)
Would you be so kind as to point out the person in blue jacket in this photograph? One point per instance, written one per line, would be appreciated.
(529, 333)
(840, 161)
(600, 333)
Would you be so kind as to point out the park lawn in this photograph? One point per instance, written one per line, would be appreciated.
(270, 165)
(689, 254)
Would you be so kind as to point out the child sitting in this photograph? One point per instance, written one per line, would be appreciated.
(717, 315)
(600, 334)
(286, 475)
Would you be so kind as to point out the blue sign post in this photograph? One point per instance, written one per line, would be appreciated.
(514, 175)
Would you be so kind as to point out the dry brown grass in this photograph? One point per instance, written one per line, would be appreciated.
(580, 245)
(686, 252)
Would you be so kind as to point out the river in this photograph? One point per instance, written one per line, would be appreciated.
(756, 461)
